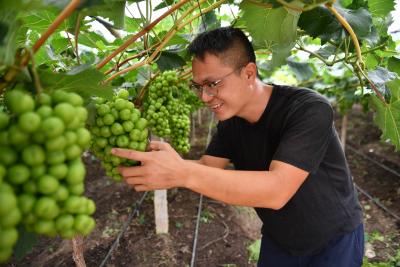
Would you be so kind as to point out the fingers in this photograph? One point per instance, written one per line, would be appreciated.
(158, 145)
(137, 183)
(129, 154)
(131, 171)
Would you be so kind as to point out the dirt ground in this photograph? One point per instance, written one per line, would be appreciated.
(225, 231)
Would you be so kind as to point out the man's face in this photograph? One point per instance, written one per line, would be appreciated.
(224, 89)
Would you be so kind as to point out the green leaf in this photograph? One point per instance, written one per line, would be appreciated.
(326, 51)
(25, 243)
(273, 29)
(388, 117)
(303, 71)
(320, 22)
(209, 21)
(83, 80)
(40, 20)
(8, 32)
(111, 9)
(380, 8)
(168, 61)
(394, 65)
(380, 76)
(360, 20)
(163, 4)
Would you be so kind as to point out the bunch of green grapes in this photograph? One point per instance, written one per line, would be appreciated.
(41, 171)
(168, 106)
(118, 124)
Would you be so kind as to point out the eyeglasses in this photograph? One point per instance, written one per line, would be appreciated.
(210, 88)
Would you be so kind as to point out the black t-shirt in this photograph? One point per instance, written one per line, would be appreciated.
(297, 128)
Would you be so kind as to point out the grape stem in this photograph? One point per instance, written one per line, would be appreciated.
(139, 34)
(139, 99)
(77, 245)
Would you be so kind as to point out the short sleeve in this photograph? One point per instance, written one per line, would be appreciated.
(220, 145)
(306, 135)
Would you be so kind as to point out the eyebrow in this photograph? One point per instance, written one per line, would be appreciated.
(204, 81)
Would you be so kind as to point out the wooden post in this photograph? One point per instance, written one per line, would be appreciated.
(161, 211)
(161, 208)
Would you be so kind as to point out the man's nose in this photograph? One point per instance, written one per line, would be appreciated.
(205, 97)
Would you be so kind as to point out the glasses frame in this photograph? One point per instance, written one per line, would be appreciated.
(207, 86)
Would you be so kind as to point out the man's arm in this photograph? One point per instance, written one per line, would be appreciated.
(163, 168)
(264, 189)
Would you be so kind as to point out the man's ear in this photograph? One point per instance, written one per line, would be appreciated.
(250, 71)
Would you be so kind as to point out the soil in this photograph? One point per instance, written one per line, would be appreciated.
(225, 231)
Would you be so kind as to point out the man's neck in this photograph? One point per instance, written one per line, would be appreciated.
(260, 96)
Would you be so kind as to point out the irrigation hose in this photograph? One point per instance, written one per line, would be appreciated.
(136, 206)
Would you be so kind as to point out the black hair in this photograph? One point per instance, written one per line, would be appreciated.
(230, 44)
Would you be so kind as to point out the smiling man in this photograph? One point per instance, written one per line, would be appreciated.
(289, 164)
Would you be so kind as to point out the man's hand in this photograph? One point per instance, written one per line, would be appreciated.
(161, 168)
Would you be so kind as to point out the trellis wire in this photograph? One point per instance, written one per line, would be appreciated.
(134, 211)
(196, 230)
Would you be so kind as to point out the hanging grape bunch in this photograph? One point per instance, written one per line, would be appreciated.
(118, 124)
(41, 172)
(167, 106)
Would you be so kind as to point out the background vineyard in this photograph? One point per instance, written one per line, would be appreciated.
(97, 48)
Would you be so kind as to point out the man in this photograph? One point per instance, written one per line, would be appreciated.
(288, 161)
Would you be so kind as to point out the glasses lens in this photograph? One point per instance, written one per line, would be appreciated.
(196, 87)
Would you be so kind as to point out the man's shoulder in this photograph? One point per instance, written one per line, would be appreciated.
(299, 95)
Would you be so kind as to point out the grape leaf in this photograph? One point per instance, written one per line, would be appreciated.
(388, 115)
(380, 76)
(273, 29)
(111, 9)
(8, 28)
(25, 243)
(303, 71)
(394, 65)
(320, 22)
(168, 61)
(83, 80)
(380, 8)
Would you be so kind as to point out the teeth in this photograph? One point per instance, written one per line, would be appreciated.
(216, 106)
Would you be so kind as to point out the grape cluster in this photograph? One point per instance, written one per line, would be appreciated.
(167, 107)
(41, 172)
(118, 124)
